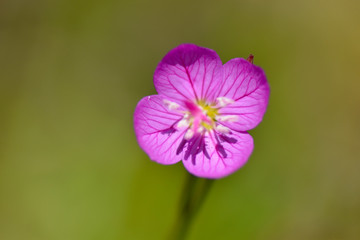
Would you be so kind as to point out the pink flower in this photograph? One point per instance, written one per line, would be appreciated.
(202, 111)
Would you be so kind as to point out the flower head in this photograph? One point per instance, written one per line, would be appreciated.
(202, 111)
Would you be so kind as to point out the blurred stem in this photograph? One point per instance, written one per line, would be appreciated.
(193, 195)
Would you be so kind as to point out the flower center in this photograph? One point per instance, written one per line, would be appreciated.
(201, 116)
(210, 110)
(204, 115)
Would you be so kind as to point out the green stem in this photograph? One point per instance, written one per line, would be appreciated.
(193, 195)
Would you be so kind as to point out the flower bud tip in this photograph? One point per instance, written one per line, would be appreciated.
(250, 59)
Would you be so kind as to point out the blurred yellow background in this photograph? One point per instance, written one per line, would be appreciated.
(72, 72)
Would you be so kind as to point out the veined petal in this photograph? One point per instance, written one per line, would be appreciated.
(217, 155)
(155, 129)
(189, 72)
(246, 84)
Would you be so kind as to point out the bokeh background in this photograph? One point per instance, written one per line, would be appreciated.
(72, 72)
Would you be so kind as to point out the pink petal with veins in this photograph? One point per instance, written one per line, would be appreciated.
(215, 155)
(188, 73)
(246, 84)
(155, 129)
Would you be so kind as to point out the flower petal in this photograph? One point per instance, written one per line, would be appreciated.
(155, 129)
(220, 155)
(246, 84)
(189, 72)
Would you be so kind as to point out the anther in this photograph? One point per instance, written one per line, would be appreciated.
(183, 123)
(223, 101)
(171, 105)
(222, 129)
(200, 129)
(227, 118)
(189, 134)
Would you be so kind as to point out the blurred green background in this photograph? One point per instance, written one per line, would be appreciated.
(72, 73)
